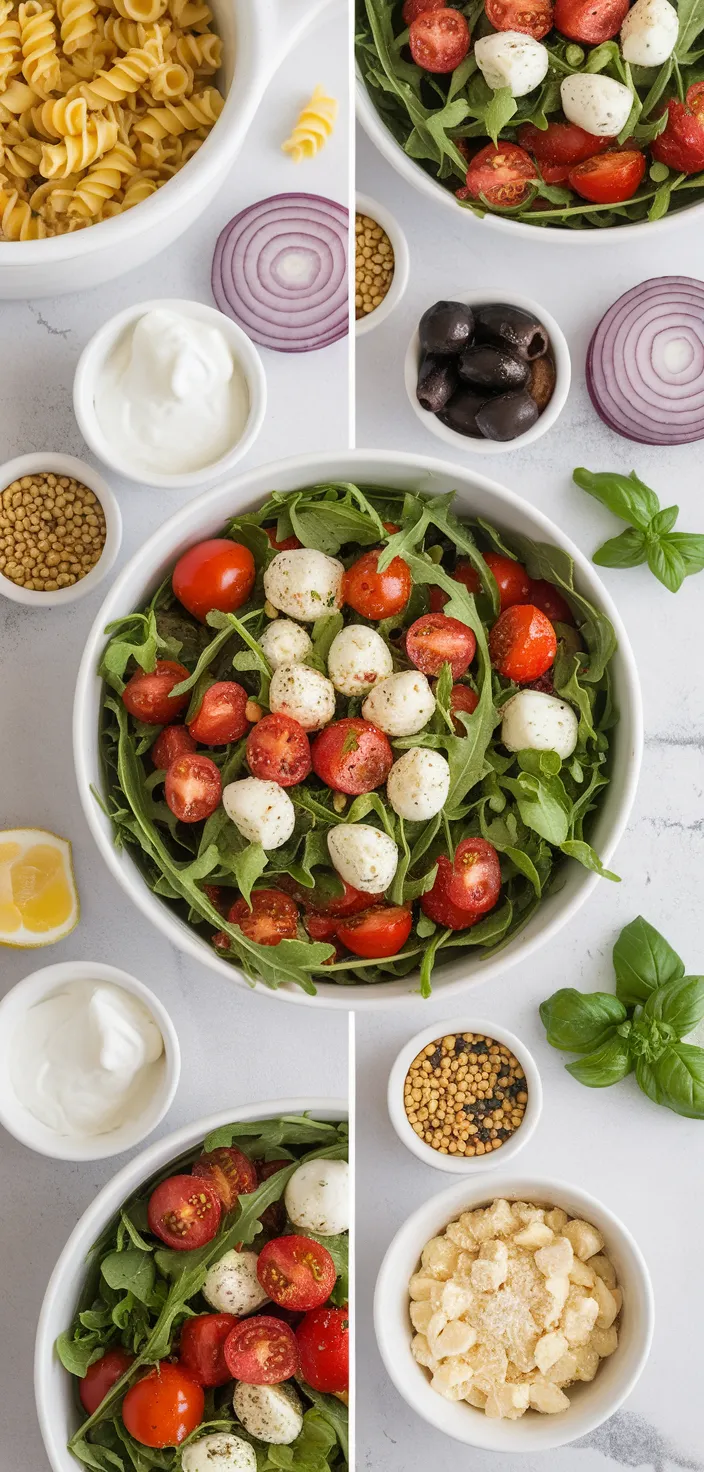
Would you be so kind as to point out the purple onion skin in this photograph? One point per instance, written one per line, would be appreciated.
(437, 381)
(679, 302)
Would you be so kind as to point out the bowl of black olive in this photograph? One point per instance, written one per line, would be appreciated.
(492, 373)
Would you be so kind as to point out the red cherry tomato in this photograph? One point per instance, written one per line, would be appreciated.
(101, 1376)
(193, 787)
(511, 577)
(272, 918)
(549, 600)
(278, 750)
(262, 1351)
(221, 717)
(475, 883)
(148, 697)
(164, 1407)
(695, 99)
(214, 574)
(173, 741)
(296, 1272)
(681, 146)
(411, 10)
(377, 594)
(560, 143)
(288, 544)
(184, 1213)
(590, 21)
(323, 1346)
(321, 927)
(352, 756)
(340, 905)
(202, 1345)
(610, 178)
(501, 174)
(530, 17)
(462, 699)
(381, 931)
(522, 643)
(438, 907)
(219, 897)
(435, 640)
(228, 1172)
(439, 40)
(391, 526)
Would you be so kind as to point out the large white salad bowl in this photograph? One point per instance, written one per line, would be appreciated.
(476, 495)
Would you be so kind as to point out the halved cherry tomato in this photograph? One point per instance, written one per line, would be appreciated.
(338, 905)
(391, 526)
(560, 143)
(101, 1376)
(221, 717)
(501, 173)
(202, 1345)
(530, 17)
(288, 544)
(273, 1218)
(435, 640)
(173, 741)
(377, 594)
(323, 1344)
(681, 146)
(352, 756)
(262, 1351)
(321, 927)
(164, 1407)
(184, 1213)
(296, 1272)
(413, 8)
(219, 897)
(462, 699)
(611, 178)
(522, 643)
(438, 907)
(278, 750)
(148, 697)
(272, 918)
(217, 573)
(439, 40)
(549, 600)
(475, 882)
(590, 21)
(381, 931)
(695, 99)
(193, 787)
(229, 1173)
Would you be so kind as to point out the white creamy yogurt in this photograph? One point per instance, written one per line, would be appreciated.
(171, 396)
(86, 1059)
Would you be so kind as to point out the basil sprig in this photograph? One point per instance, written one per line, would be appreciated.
(671, 556)
(640, 1028)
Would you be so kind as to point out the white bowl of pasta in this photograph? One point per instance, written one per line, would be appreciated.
(117, 123)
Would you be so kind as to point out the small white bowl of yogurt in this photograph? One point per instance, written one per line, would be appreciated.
(89, 1061)
(170, 393)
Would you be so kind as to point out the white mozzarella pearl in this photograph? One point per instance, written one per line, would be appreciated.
(400, 705)
(272, 1413)
(358, 658)
(304, 584)
(231, 1285)
(221, 1452)
(535, 721)
(596, 103)
(418, 784)
(303, 694)
(510, 59)
(649, 32)
(317, 1197)
(284, 642)
(363, 856)
(262, 811)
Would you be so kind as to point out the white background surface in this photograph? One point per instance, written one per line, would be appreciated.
(236, 1048)
(644, 1162)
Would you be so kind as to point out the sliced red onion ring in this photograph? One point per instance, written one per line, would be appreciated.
(280, 272)
(645, 362)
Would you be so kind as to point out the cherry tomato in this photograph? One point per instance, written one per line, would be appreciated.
(352, 756)
(101, 1376)
(229, 1173)
(173, 741)
(323, 1345)
(435, 640)
(262, 1351)
(381, 931)
(530, 17)
(439, 40)
(221, 717)
(413, 8)
(476, 876)
(273, 1218)
(391, 526)
(695, 99)
(590, 21)
(681, 146)
(272, 918)
(214, 574)
(438, 907)
(148, 697)
(549, 600)
(193, 787)
(511, 577)
(340, 905)
(610, 178)
(164, 1407)
(501, 174)
(462, 699)
(219, 897)
(377, 594)
(560, 143)
(201, 1348)
(522, 643)
(184, 1213)
(278, 750)
(296, 1272)
(288, 544)
(321, 927)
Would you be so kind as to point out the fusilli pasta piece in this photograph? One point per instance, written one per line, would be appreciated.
(77, 24)
(145, 11)
(202, 53)
(22, 159)
(59, 116)
(102, 181)
(16, 99)
(313, 128)
(126, 76)
(139, 188)
(16, 219)
(10, 48)
(40, 62)
(190, 14)
(74, 154)
(180, 117)
(170, 81)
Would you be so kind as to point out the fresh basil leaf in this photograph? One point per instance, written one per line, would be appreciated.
(690, 546)
(604, 1066)
(578, 1022)
(676, 1080)
(629, 549)
(663, 521)
(625, 495)
(643, 960)
(680, 1004)
(667, 564)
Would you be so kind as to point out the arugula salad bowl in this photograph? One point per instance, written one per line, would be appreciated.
(554, 825)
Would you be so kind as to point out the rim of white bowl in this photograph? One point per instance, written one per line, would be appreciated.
(402, 263)
(52, 462)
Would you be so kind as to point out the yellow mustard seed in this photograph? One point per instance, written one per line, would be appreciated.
(453, 1117)
(374, 265)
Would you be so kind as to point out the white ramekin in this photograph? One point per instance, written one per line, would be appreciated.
(53, 463)
(99, 349)
(15, 1116)
(464, 443)
(590, 1404)
(399, 282)
(463, 1165)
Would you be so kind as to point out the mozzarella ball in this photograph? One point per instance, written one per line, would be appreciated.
(231, 1285)
(273, 1413)
(400, 705)
(317, 1197)
(283, 642)
(221, 1452)
(363, 856)
(510, 59)
(304, 584)
(596, 103)
(649, 32)
(262, 811)
(534, 721)
(418, 784)
(358, 658)
(304, 694)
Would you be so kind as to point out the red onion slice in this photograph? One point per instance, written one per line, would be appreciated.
(645, 363)
(280, 272)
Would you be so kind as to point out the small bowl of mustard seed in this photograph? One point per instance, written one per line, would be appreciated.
(60, 529)
(381, 264)
(464, 1095)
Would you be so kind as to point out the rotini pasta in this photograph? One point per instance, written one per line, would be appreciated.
(102, 181)
(73, 154)
(77, 19)
(56, 118)
(202, 53)
(127, 75)
(16, 219)
(40, 63)
(10, 47)
(171, 80)
(314, 126)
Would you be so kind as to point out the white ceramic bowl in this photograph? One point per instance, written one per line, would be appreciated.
(17, 1118)
(590, 1404)
(101, 346)
(52, 463)
(204, 517)
(378, 212)
(53, 1386)
(463, 1165)
(563, 374)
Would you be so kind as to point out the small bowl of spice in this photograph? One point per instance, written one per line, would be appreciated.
(381, 264)
(464, 1096)
(60, 529)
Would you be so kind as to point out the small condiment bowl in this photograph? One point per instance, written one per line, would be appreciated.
(463, 1165)
(100, 347)
(399, 281)
(563, 375)
(18, 1119)
(53, 463)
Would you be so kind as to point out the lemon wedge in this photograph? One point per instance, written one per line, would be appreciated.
(38, 897)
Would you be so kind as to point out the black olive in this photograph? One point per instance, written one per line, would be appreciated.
(437, 381)
(511, 327)
(445, 328)
(461, 412)
(542, 381)
(507, 417)
(493, 370)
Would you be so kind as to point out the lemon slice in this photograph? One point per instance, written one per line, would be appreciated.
(38, 898)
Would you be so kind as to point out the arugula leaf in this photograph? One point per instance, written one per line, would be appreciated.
(132, 1270)
(499, 112)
